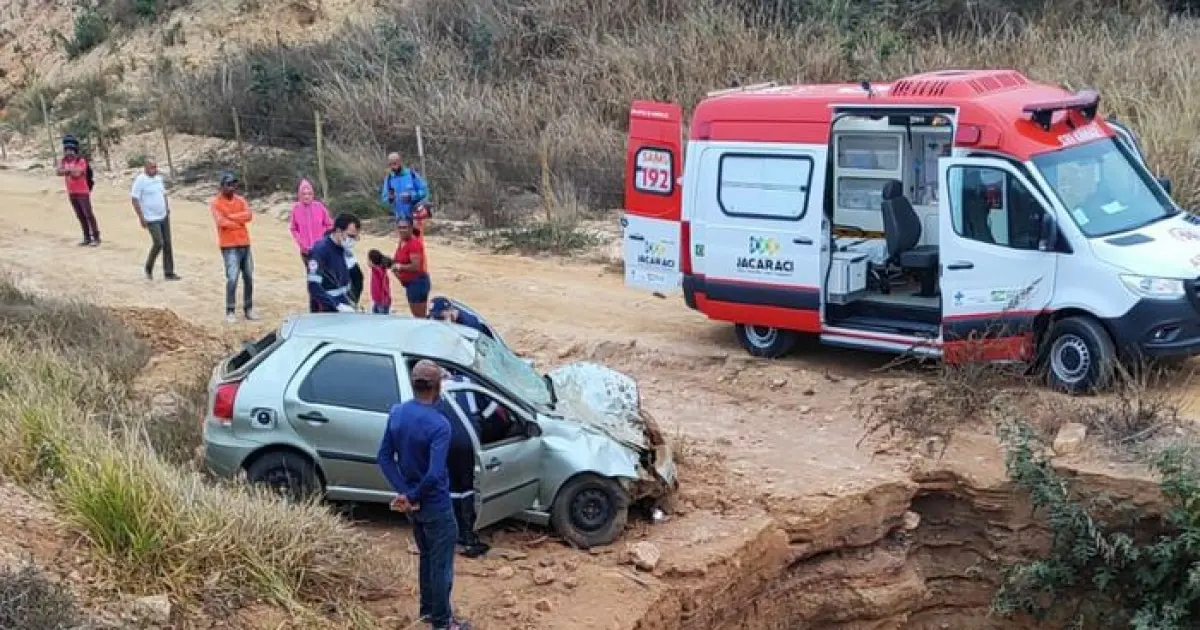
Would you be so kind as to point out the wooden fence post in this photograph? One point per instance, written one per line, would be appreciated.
(237, 134)
(100, 135)
(547, 192)
(421, 153)
(49, 133)
(324, 181)
(166, 135)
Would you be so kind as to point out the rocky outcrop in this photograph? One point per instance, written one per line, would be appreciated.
(922, 553)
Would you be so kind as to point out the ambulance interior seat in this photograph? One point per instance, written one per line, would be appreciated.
(902, 229)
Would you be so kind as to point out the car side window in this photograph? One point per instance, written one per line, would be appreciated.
(352, 380)
(991, 206)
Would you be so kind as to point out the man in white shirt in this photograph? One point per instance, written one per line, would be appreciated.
(150, 203)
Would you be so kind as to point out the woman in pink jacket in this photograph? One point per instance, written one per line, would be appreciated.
(310, 220)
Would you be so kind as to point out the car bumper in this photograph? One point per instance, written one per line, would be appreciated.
(224, 453)
(1158, 329)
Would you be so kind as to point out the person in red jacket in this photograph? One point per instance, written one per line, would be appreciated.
(74, 170)
(381, 284)
(412, 267)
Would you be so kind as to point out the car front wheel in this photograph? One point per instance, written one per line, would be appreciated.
(590, 511)
(292, 475)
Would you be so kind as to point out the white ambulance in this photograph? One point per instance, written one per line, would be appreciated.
(966, 215)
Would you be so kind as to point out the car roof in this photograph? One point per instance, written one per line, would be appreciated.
(431, 338)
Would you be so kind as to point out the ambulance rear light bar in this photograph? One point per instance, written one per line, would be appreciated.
(1086, 102)
(744, 88)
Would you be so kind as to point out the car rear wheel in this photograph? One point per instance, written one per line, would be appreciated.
(764, 341)
(1080, 357)
(590, 511)
(292, 475)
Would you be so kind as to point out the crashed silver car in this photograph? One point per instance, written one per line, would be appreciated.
(304, 409)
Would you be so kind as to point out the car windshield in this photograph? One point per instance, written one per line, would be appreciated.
(1104, 188)
(496, 362)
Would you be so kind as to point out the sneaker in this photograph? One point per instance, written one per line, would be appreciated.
(230, 318)
(252, 316)
(85, 242)
(476, 550)
(95, 242)
(172, 276)
(149, 274)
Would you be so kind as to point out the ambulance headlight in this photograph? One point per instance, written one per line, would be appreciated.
(1154, 288)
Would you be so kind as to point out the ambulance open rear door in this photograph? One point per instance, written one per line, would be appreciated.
(654, 246)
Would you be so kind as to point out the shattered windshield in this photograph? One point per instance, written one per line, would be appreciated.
(496, 362)
(1103, 188)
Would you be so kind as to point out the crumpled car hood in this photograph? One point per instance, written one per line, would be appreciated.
(604, 399)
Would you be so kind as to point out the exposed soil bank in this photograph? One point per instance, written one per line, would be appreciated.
(918, 553)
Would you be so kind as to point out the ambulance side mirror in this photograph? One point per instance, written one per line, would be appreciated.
(1049, 233)
(1165, 182)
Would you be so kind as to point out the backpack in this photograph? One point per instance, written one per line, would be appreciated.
(91, 178)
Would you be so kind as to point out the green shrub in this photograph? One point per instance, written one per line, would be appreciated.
(1108, 566)
(91, 29)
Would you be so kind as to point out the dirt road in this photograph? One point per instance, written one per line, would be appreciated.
(757, 433)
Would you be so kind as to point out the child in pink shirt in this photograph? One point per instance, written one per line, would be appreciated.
(381, 284)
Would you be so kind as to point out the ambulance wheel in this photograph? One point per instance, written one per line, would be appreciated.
(1079, 356)
(764, 341)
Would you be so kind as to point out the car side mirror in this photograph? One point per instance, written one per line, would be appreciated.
(532, 429)
(1165, 182)
(1049, 233)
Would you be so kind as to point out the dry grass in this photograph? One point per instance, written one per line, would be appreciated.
(492, 82)
(31, 601)
(155, 527)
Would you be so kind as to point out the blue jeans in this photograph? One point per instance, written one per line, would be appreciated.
(238, 261)
(436, 534)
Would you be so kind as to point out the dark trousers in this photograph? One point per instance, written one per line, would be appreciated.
(460, 463)
(82, 204)
(356, 284)
(160, 239)
(435, 534)
(238, 261)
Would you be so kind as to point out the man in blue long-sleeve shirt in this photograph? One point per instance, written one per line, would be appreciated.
(402, 188)
(412, 456)
(328, 274)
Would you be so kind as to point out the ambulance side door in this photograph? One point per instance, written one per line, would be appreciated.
(760, 237)
(998, 273)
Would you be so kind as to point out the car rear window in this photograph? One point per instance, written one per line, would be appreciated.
(353, 380)
(251, 351)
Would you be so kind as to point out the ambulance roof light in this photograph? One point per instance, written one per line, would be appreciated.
(1086, 102)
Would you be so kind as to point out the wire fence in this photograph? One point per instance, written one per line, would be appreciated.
(271, 154)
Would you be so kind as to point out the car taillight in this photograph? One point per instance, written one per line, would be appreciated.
(685, 247)
(222, 408)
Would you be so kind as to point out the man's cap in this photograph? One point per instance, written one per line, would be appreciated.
(228, 178)
(438, 306)
(70, 142)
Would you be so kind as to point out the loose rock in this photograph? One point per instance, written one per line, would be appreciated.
(506, 573)
(543, 576)
(644, 555)
(1070, 438)
(911, 520)
(508, 599)
(543, 605)
(155, 609)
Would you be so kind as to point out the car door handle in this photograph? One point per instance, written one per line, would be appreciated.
(492, 464)
(960, 265)
(803, 240)
(636, 237)
(314, 417)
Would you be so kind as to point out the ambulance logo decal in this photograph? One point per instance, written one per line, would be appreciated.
(764, 258)
(1186, 234)
(654, 253)
(763, 246)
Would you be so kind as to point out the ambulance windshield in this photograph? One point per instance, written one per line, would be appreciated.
(1104, 188)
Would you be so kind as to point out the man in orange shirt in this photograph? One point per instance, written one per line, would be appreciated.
(232, 214)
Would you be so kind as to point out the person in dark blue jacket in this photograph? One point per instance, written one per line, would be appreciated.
(412, 456)
(442, 308)
(329, 282)
(461, 463)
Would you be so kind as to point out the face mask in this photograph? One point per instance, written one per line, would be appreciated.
(348, 242)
